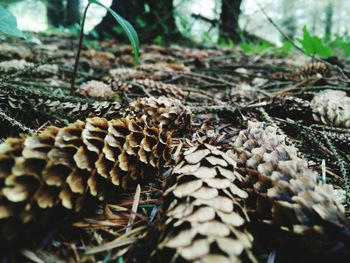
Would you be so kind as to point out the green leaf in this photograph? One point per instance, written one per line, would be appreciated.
(8, 24)
(314, 45)
(346, 48)
(246, 47)
(128, 29)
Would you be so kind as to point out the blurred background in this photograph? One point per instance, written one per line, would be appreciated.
(200, 20)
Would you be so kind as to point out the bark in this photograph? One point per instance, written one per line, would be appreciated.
(329, 21)
(73, 12)
(55, 12)
(229, 27)
(161, 21)
(128, 9)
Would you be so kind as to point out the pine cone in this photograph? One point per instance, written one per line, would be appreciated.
(332, 107)
(97, 90)
(170, 113)
(314, 69)
(282, 188)
(245, 93)
(62, 167)
(125, 74)
(157, 88)
(73, 111)
(204, 215)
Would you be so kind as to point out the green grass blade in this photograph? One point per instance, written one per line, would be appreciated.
(8, 24)
(127, 27)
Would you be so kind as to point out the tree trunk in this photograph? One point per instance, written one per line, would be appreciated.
(229, 28)
(161, 21)
(73, 12)
(329, 21)
(128, 9)
(151, 18)
(55, 12)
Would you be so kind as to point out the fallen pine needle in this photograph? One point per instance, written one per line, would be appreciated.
(135, 205)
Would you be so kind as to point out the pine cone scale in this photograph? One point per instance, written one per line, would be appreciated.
(282, 189)
(204, 216)
(61, 167)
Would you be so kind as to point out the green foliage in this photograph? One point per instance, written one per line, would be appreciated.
(8, 24)
(314, 45)
(158, 40)
(255, 47)
(342, 43)
(258, 47)
(285, 50)
(126, 26)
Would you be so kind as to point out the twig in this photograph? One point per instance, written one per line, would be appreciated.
(278, 28)
(135, 205)
(25, 70)
(75, 70)
(297, 47)
(324, 140)
(342, 167)
(213, 108)
(141, 87)
(15, 123)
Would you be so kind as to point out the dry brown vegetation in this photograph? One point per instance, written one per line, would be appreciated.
(198, 154)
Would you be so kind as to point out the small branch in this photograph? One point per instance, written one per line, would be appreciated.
(15, 123)
(213, 108)
(213, 22)
(278, 28)
(75, 70)
(25, 70)
(133, 83)
(320, 138)
(342, 167)
(297, 47)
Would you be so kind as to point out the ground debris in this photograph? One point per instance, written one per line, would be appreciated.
(207, 99)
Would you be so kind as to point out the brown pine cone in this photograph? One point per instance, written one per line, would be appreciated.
(332, 107)
(318, 69)
(312, 70)
(204, 215)
(60, 168)
(283, 190)
(171, 114)
(157, 88)
(73, 111)
(96, 90)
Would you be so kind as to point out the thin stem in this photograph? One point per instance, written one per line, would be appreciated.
(75, 70)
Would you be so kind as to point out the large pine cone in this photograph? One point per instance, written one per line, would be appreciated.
(204, 214)
(62, 167)
(282, 188)
(332, 107)
(171, 114)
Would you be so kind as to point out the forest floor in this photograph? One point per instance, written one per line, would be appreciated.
(223, 87)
